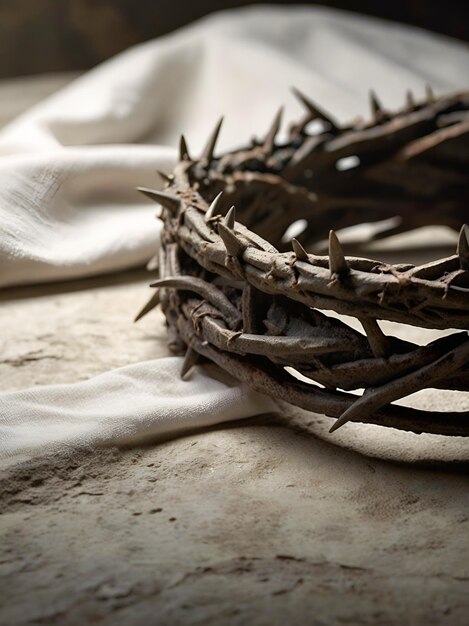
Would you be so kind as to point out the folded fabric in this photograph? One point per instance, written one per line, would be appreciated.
(69, 168)
(132, 404)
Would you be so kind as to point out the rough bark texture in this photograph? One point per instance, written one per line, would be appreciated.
(232, 292)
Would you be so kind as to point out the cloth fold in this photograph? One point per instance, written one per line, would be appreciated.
(70, 165)
(128, 405)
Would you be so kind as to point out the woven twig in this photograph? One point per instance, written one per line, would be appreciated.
(232, 293)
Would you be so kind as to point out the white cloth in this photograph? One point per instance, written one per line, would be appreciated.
(68, 167)
(127, 405)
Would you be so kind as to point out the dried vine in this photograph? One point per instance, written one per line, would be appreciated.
(232, 293)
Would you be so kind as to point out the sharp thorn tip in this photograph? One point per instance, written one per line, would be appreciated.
(168, 201)
(183, 150)
(209, 149)
(230, 218)
(337, 262)
(299, 251)
(211, 211)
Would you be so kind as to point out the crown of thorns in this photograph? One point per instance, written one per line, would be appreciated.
(236, 293)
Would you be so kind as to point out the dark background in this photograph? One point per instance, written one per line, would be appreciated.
(56, 35)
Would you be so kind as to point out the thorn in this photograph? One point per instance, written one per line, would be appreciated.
(190, 359)
(207, 152)
(338, 423)
(269, 141)
(376, 108)
(183, 151)
(230, 218)
(168, 178)
(151, 304)
(410, 99)
(463, 247)
(337, 262)
(211, 211)
(312, 108)
(233, 245)
(429, 93)
(363, 406)
(299, 251)
(378, 341)
(169, 202)
(374, 398)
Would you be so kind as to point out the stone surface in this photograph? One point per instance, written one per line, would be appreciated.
(53, 337)
(253, 523)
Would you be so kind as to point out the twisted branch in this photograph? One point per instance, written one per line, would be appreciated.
(234, 294)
